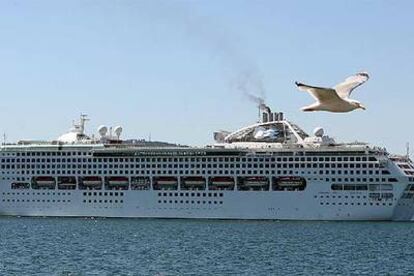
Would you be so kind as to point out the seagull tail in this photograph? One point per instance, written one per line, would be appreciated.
(311, 108)
(308, 109)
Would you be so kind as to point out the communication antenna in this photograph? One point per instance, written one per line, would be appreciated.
(83, 120)
(408, 150)
(4, 138)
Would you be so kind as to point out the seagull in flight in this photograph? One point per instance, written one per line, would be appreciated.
(335, 99)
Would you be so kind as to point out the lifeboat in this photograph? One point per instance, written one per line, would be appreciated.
(44, 181)
(256, 181)
(165, 183)
(91, 181)
(289, 183)
(166, 180)
(118, 181)
(221, 183)
(193, 182)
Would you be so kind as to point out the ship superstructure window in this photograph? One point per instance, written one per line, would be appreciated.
(140, 183)
(361, 187)
(277, 132)
(20, 185)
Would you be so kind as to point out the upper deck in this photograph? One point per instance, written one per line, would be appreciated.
(274, 135)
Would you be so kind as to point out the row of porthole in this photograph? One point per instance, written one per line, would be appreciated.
(103, 201)
(96, 164)
(218, 170)
(63, 194)
(89, 157)
(190, 202)
(340, 196)
(106, 171)
(36, 200)
(358, 203)
(103, 194)
(192, 194)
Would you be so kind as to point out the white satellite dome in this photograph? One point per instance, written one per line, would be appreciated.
(102, 130)
(118, 131)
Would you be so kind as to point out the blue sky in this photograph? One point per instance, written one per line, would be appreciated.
(173, 68)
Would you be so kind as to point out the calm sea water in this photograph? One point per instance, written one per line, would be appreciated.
(59, 246)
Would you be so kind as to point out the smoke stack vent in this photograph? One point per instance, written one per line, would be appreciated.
(265, 117)
(271, 117)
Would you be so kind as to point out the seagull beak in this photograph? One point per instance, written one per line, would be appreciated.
(362, 107)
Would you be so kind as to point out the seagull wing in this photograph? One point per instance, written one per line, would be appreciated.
(321, 94)
(345, 88)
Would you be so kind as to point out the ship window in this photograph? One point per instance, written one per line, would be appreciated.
(374, 187)
(386, 187)
(336, 187)
(361, 187)
(349, 187)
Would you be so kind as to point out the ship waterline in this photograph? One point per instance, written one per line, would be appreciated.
(269, 170)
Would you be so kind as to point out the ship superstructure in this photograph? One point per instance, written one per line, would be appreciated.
(269, 170)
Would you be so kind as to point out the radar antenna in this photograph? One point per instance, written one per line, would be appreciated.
(408, 150)
(80, 127)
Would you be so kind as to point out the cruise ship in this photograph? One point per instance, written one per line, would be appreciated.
(270, 170)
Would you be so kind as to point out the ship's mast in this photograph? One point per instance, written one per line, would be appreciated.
(79, 128)
(83, 120)
(408, 150)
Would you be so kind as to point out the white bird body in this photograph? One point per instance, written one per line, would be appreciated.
(335, 99)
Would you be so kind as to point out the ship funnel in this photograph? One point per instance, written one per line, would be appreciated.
(279, 116)
(265, 117)
(271, 117)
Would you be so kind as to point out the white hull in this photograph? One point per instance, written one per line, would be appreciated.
(274, 205)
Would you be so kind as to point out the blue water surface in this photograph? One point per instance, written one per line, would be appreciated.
(80, 246)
